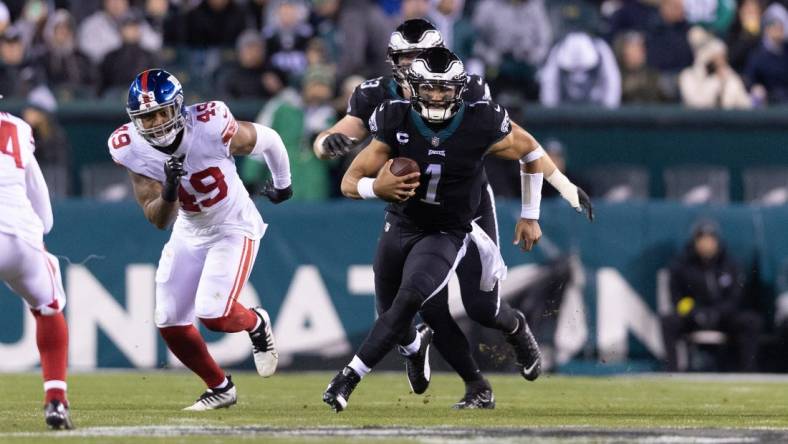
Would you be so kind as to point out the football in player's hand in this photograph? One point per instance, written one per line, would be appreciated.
(402, 166)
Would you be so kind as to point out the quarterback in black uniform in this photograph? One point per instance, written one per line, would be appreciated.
(484, 307)
(430, 220)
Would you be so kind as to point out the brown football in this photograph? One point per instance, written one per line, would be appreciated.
(402, 166)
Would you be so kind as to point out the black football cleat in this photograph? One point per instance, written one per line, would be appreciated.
(417, 365)
(477, 396)
(340, 388)
(56, 415)
(526, 350)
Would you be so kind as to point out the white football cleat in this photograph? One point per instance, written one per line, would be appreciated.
(263, 345)
(213, 399)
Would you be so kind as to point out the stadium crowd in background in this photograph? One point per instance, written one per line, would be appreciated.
(302, 57)
(562, 48)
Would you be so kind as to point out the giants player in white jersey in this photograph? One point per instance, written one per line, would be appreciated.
(180, 159)
(25, 265)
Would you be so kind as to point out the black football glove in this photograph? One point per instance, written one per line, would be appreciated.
(585, 204)
(276, 195)
(173, 171)
(338, 144)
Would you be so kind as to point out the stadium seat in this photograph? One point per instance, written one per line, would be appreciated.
(766, 185)
(618, 182)
(57, 180)
(698, 350)
(697, 184)
(106, 182)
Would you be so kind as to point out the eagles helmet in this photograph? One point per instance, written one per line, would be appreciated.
(437, 81)
(410, 38)
(151, 91)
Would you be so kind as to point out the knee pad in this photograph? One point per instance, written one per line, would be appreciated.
(421, 283)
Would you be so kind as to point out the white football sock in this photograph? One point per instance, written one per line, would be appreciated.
(359, 367)
(224, 384)
(411, 348)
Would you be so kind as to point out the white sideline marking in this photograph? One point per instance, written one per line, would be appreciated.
(434, 435)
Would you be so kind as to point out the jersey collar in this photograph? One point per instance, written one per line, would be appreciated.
(436, 138)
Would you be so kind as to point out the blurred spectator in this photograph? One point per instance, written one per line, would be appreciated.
(100, 32)
(580, 70)
(52, 145)
(18, 74)
(244, 78)
(164, 19)
(323, 20)
(444, 14)
(298, 120)
(710, 82)
(5, 17)
(666, 39)
(767, 68)
(715, 15)
(630, 15)
(214, 23)
(121, 65)
(413, 9)
(745, 34)
(513, 39)
(287, 38)
(84, 8)
(574, 15)
(69, 72)
(706, 290)
(639, 82)
(364, 33)
(31, 23)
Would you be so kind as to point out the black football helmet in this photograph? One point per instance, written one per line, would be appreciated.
(409, 39)
(437, 80)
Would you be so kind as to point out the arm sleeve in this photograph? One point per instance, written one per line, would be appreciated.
(270, 148)
(38, 193)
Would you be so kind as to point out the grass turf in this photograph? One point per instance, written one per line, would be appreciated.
(293, 400)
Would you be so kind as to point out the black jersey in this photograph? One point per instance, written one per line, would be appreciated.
(451, 158)
(370, 94)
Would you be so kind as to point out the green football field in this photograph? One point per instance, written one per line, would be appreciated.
(145, 407)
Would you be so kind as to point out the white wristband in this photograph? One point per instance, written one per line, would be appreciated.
(533, 155)
(531, 188)
(564, 186)
(364, 188)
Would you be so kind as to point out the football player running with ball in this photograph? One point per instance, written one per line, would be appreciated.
(481, 299)
(180, 159)
(429, 220)
(25, 266)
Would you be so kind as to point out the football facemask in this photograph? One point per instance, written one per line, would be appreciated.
(437, 81)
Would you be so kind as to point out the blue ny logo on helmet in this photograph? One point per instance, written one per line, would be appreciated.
(151, 91)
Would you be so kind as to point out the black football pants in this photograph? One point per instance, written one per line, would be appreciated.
(411, 266)
(486, 308)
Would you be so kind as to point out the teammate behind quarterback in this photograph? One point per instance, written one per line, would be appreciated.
(180, 159)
